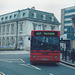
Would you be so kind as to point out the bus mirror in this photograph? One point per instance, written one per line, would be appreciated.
(29, 38)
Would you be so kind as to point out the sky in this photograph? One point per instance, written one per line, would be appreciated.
(51, 6)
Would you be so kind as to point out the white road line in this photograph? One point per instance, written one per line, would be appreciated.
(67, 66)
(12, 60)
(36, 67)
(26, 65)
(9, 59)
(22, 60)
(51, 74)
(31, 66)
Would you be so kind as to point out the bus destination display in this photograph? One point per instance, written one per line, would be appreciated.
(38, 33)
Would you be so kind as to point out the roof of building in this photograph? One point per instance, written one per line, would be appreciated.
(30, 14)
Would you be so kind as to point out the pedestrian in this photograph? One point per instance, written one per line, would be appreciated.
(62, 53)
(73, 56)
(66, 55)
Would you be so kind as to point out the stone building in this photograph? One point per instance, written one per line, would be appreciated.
(15, 27)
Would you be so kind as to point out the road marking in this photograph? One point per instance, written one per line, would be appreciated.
(12, 60)
(36, 67)
(51, 74)
(22, 60)
(67, 66)
(31, 66)
(2, 73)
(9, 59)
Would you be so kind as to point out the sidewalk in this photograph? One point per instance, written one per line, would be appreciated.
(14, 52)
(68, 62)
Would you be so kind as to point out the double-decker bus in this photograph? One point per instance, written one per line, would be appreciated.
(45, 46)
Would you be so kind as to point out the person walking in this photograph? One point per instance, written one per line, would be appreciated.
(73, 56)
(63, 53)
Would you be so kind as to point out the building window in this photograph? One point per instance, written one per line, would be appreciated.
(12, 28)
(39, 27)
(7, 41)
(70, 21)
(6, 18)
(10, 17)
(0, 30)
(23, 14)
(14, 15)
(44, 17)
(52, 27)
(34, 26)
(3, 30)
(44, 27)
(65, 30)
(21, 27)
(0, 42)
(20, 41)
(12, 41)
(34, 15)
(52, 18)
(3, 41)
(2, 19)
(7, 29)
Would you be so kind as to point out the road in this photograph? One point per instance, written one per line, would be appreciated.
(19, 64)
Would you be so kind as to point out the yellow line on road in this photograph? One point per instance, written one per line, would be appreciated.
(2, 73)
(67, 66)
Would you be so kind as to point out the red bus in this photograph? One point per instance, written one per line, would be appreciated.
(45, 46)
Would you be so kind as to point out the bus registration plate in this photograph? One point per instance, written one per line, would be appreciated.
(45, 59)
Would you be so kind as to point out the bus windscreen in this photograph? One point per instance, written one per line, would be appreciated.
(45, 43)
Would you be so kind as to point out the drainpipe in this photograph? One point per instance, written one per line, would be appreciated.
(17, 28)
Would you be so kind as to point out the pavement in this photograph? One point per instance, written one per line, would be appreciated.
(67, 62)
(14, 52)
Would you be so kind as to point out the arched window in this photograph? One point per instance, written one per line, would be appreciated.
(21, 41)
(0, 42)
(7, 42)
(12, 41)
(3, 41)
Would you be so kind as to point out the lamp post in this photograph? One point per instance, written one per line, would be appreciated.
(70, 42)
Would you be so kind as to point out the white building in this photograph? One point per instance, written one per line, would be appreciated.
(15, 27)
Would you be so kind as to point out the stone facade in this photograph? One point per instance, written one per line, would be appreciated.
(15, 27)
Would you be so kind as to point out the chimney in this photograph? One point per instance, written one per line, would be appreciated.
(33, 8)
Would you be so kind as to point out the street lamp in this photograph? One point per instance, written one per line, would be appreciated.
(70, 42)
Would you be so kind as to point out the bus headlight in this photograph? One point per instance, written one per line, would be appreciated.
(34, 56)
(56, 56)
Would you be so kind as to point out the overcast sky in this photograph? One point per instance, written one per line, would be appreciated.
(52, 6)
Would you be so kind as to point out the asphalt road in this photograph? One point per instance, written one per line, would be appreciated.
(19, 64)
